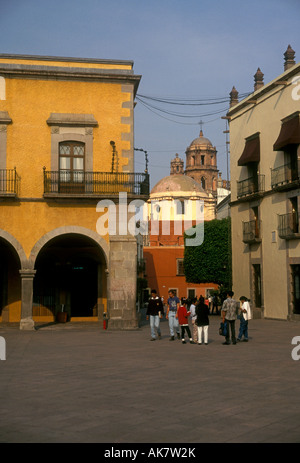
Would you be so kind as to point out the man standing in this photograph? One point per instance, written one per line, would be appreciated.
(155, 311)
(244, 317)
(229, 313)
(173, 305)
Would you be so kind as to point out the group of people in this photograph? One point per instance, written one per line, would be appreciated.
(178, 314)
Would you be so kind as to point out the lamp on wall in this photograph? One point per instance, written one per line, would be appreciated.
(146, 158)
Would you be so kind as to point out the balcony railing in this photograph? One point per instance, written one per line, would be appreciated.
(66, 182)
(251, 231)
(8, 182)
(288, 225)
(251, 186)
(284, 176)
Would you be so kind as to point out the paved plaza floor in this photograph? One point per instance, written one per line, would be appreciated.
(79, 383)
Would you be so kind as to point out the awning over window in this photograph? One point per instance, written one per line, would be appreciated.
(251, 151)
(289, 133)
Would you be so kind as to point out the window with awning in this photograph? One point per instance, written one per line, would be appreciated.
(289, 133)
(251, 151)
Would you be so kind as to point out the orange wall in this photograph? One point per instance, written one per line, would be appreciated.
(161, 271)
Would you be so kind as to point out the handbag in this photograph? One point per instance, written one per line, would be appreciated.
(223, 329)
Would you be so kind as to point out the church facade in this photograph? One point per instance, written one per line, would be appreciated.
(196, 184)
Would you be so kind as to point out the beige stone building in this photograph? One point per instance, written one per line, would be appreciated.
(265, 187)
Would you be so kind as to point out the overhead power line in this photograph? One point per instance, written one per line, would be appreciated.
(161, 108)
(190, 101)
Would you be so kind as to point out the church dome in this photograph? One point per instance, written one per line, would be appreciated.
(177, 184)
(201, 140)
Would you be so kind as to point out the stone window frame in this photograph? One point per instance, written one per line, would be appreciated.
(179, 267)
(4, 121)
(72, 127)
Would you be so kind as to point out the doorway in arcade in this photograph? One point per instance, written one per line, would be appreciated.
(70, 277)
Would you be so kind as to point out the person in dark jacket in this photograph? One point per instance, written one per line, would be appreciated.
(155, 311)
(202, 320)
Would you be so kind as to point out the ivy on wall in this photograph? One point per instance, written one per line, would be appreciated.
(211, 261)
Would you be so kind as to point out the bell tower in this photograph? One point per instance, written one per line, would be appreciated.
(177, 166)
(201, 163)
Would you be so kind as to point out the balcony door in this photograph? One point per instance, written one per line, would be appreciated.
(257, 285)
(292, 163)
(296, 288)
(71, 167)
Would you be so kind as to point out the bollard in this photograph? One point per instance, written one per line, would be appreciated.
(105, 321)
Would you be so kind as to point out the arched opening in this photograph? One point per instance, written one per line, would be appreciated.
(70, 277)
(10, 283)
(203, 182)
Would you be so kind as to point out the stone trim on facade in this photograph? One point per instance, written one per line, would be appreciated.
(72, 73)
(73, 229)
(72, 127)
(4, 121)
(16, 246)
(128, 136)
(72, 120)
(65, 59)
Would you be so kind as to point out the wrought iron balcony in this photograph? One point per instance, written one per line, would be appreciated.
(284, 177)
(79, 183)
(288, 226)
(8, 182)
(251, 231)
(251, 186)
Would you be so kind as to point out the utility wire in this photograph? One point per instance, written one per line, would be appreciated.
(190, 101)
(148, 102)
(171, 113)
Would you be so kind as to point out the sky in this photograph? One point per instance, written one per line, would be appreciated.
(189, 53)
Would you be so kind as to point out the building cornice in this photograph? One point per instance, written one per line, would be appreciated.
(253, 98)
(66, 59)
(24, 71)
(5, 118)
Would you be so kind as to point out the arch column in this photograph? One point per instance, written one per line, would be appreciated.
(122, 283)
(27, 276)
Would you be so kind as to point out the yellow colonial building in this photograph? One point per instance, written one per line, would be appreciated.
(66, 155)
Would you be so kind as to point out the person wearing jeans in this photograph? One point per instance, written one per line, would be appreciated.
(244, 317)
(229, 313)
(155, 326)
(173, 305)
(155, 311)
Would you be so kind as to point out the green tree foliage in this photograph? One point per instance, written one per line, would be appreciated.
(211, 261)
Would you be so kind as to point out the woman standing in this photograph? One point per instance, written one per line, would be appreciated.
(202, 321)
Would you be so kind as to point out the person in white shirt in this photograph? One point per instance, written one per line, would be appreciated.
(244, 317)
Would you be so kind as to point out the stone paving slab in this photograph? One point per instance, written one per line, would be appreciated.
(78, 383)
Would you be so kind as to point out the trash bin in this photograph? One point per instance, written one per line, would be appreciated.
(61, 316)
